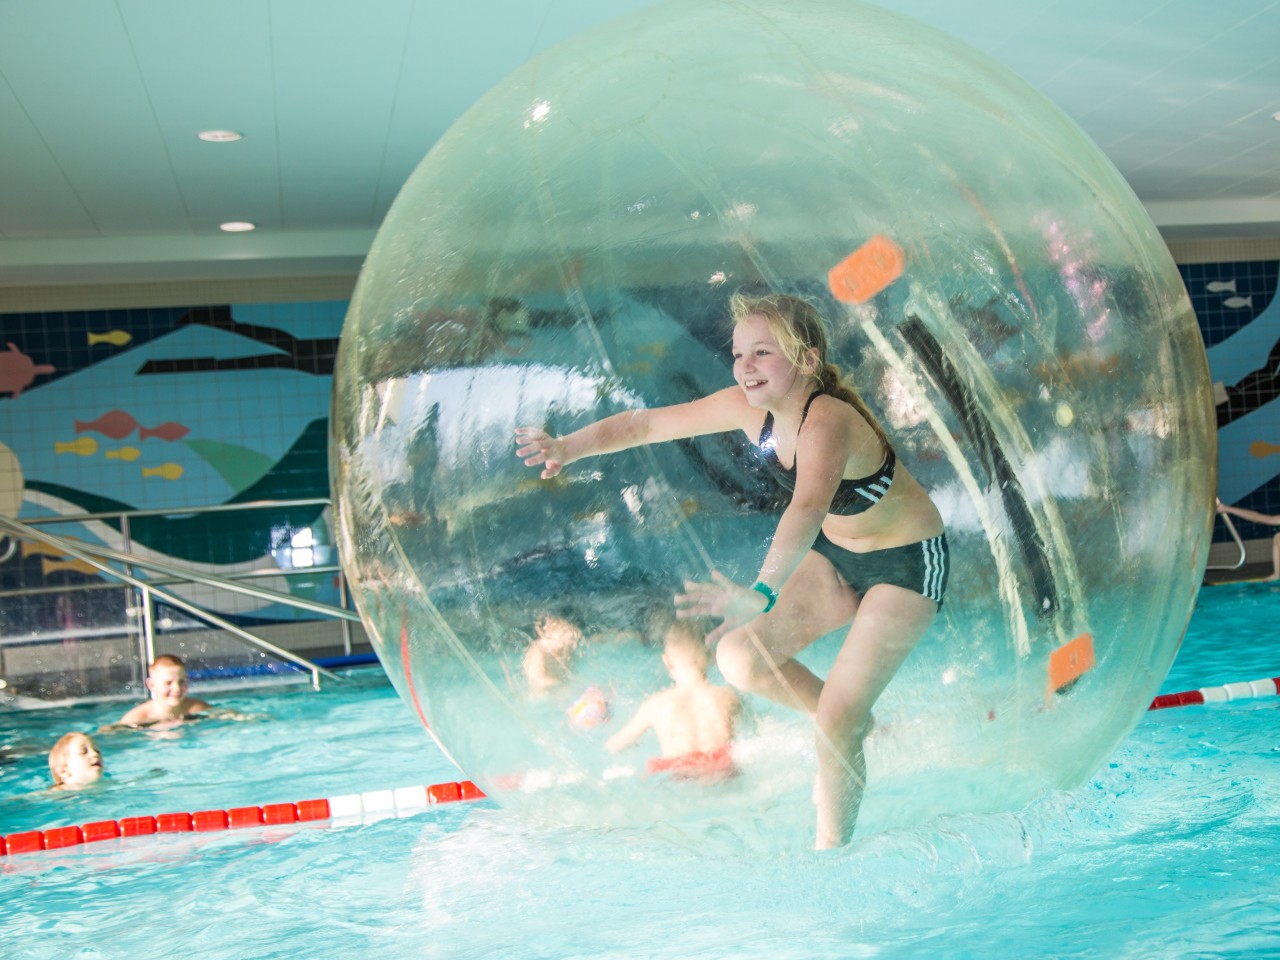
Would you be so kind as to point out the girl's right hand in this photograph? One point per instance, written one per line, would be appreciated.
(732, 603)
(539, 447)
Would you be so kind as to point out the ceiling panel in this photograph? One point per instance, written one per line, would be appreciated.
(38, 200)
(81, 88)
(336, 82)
(208, 66)
(340, 99)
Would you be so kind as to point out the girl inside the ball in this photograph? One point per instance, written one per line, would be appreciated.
(860, 544)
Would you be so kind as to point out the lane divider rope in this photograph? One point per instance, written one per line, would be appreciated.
(404, 800)
(1244, 690)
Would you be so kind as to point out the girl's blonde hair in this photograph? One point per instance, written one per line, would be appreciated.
(797, 326)
(58, 755)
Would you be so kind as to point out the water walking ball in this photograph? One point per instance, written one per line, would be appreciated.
(567, 250)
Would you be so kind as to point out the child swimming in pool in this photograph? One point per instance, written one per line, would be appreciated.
(693, 719)
(167, 681)
(75, 762)
(859, 547)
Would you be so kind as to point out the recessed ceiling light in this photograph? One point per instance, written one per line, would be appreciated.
(237, 226)
(1275, 116)
(219, 136)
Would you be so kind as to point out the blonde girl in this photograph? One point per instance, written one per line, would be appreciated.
(860, 544)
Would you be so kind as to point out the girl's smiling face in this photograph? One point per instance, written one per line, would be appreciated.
(759, 365)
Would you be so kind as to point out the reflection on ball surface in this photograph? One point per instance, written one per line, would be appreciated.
(566, 251)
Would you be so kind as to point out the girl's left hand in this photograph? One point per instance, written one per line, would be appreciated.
(732, 603)
(539, 448)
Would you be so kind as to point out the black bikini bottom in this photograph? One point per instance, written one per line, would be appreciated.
(920, 567)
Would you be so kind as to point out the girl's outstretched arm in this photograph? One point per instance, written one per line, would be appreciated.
(720, 412)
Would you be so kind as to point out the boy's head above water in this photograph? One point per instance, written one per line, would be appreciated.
(75, 761)
(684, 648)
(167, 679)
(167, 684)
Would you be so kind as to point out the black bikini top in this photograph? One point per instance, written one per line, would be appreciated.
(852, 496)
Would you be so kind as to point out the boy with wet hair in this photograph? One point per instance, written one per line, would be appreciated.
(693, 718)
(167, 681)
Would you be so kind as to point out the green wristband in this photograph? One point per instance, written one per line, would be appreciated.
(770, 594)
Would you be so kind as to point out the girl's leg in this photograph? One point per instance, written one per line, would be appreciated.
(1275, 557)
(890, 622)
(758, 657)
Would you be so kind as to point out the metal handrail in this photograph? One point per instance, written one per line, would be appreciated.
(183, 511)
(94, 556)
(1235, 535)
(124, 516)
(170, 581)
(186, 574)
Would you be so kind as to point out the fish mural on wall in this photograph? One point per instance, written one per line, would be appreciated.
(1251, 392)
(117, 338)
(117, 424)
(123, 457)
(313, 355)
(218, 538)
(18, 371)
(168, 471)
(1240, 321)
(81, 446)
(53, 560)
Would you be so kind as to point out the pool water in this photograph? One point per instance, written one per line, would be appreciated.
(1168, 851)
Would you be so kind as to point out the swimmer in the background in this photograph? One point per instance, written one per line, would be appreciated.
(167, 681)
(549, 658)
(75, 761)
(693, 718)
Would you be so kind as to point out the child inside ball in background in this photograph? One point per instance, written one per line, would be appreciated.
(693, 718)
(548, 660)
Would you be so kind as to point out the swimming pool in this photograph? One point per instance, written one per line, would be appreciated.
(1169, 851)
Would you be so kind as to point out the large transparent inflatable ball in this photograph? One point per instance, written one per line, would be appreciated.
(993, 288)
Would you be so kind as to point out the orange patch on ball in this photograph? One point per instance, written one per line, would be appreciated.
(868, 270)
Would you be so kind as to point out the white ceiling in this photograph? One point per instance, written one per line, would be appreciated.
(102, 177)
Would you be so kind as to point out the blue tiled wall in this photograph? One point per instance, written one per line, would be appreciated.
(166, 409)
(1236, 307)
